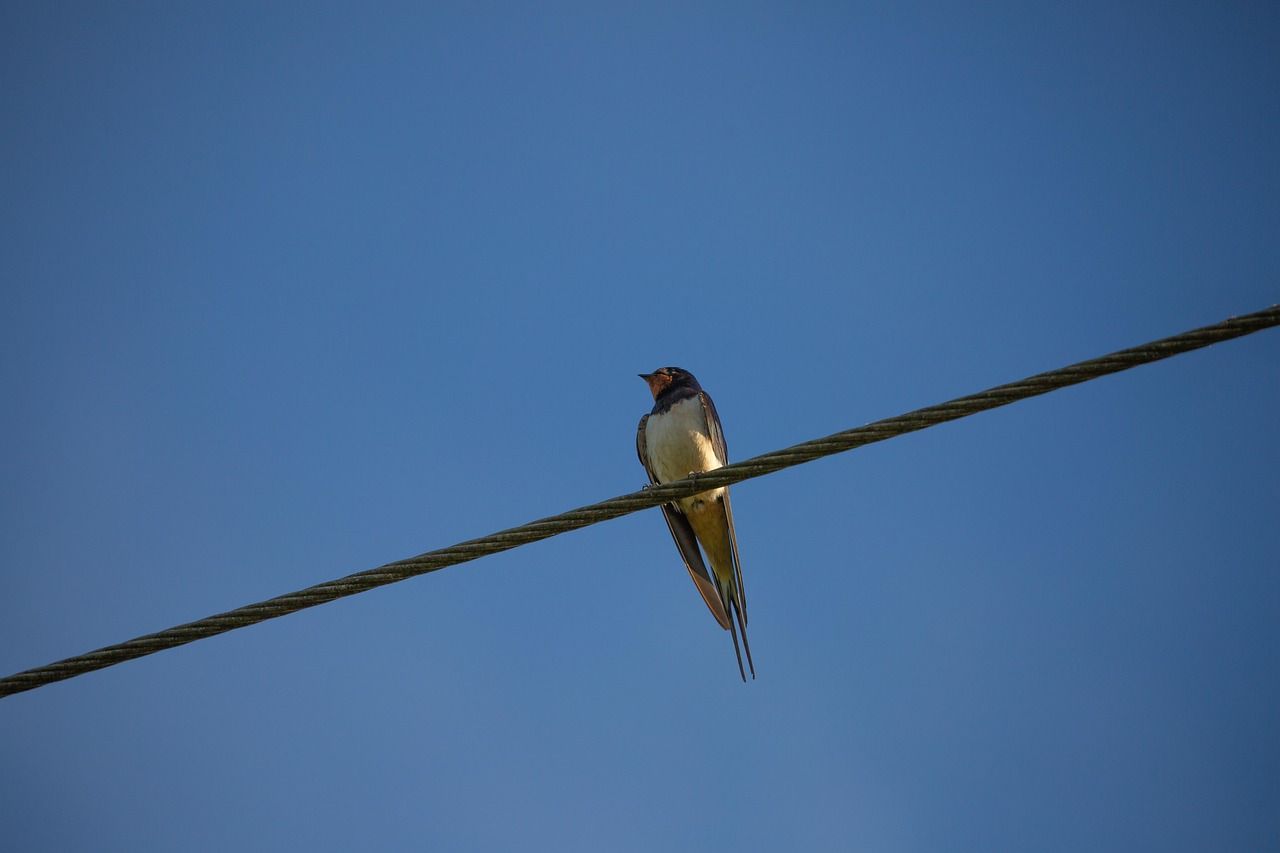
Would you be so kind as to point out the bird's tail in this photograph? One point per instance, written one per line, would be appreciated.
(738, 623)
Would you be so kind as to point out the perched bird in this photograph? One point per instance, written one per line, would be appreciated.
(679, 437)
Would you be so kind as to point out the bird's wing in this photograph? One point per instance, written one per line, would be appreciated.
(722, 450)
(686, 542)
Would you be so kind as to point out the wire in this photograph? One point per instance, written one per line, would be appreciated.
(544, 528)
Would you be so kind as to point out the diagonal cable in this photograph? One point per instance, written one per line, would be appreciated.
(767, 463)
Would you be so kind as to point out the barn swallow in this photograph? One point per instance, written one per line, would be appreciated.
(681, 436)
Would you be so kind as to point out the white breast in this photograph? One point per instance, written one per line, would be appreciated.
(679, 442)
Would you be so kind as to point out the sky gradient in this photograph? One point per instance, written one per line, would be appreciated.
(291, 290)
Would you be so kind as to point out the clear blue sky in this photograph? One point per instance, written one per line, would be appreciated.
(289, 291)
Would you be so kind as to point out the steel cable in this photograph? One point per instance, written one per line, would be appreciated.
(758, 466)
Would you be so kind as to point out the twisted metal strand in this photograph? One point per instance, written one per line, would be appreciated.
(758, 466)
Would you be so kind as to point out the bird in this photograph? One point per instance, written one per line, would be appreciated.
(682, 436)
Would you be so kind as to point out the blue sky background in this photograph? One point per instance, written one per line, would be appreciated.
(292, 290)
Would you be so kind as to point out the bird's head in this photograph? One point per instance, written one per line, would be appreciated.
(668, 378)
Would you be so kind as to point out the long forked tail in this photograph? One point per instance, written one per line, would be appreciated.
(740, 619)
